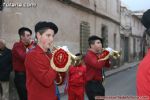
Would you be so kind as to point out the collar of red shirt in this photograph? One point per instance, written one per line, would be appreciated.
(20, 42)
(91, 51)
(39, 49)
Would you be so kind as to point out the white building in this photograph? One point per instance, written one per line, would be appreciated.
(131, 35)
(76, 19)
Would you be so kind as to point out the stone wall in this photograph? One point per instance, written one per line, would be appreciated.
(68, 17)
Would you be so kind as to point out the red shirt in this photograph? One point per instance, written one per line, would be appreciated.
(143, 77)
(18, 55)
(94, 67)
(77, 75)
(40, 75)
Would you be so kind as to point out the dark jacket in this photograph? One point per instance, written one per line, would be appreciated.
(5, 64)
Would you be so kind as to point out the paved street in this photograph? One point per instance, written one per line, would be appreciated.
(122, 83)
(119, 84)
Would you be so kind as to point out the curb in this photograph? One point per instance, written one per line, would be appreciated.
(121, 68)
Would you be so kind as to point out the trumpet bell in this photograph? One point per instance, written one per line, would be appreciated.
(116, 54)
(62, 59)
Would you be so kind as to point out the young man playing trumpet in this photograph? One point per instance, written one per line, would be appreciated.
(19, 52)
(40, 76)
(94, 86)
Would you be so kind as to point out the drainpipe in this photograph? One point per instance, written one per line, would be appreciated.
(95, 15)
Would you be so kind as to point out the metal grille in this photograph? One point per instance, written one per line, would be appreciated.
(84, 34)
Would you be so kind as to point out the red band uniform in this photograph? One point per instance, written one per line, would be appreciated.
(37, 64)
(94, 77)
(18, 57)
(76, 82)
(143, 77)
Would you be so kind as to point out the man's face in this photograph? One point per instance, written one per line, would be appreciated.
(97, 46)
(26, 38)
(46, 39)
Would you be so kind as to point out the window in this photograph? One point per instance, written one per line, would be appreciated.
(134, 47)
(104, 31)
(84, 34)
(1, 4)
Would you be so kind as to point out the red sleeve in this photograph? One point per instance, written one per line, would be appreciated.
(19, 52)
(39, 70)
(84, 75)
(107, 64)
(91, 60)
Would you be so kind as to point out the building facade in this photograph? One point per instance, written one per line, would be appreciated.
(76, 19)
(131, 31)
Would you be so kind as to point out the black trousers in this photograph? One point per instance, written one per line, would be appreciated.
(1, 90)
(20, 83)
(94, 88)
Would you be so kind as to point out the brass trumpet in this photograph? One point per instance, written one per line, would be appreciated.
(109, 52)
(71, 60)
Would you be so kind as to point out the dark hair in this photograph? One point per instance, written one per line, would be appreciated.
(78, 54)
(78, 61)
(22, 30)
(93, 38)
(42, 26)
